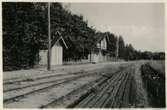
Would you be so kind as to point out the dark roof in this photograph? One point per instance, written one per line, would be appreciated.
(57, 39)
(100, 37)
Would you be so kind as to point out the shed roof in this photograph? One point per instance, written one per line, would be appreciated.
(57, 39)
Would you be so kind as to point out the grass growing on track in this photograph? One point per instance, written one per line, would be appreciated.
(154, 83)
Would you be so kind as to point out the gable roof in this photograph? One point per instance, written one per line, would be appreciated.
(57, 39)
(100, 37)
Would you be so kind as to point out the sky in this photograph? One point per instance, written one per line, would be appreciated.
(141, 24)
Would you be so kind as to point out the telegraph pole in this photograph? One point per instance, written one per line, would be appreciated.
(49, 39)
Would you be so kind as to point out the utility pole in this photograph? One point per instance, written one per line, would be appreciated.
(117, 49)
(49, 39)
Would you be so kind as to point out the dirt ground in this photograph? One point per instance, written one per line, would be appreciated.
(21, 82)
(42, 70)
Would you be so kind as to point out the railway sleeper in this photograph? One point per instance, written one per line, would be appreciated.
(112, 98)
(99, 100)
(89, 100)
(67, 96)
(83, 94)
(90, 96)
(125, 99)
(120, 92)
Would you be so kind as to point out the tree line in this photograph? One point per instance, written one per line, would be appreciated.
(25, 28)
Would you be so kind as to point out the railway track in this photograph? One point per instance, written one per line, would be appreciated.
(43, 76)
(106, 96)
(94, 97)
(16, 80)
(61, 99)
(106, 91)
(92, 94)
(84, 90)
(18, 96)
(39, 81)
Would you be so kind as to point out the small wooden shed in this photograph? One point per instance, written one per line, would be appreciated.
(56, 51)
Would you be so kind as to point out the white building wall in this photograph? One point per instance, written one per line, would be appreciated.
(56, 56)
(43, 57)
(103, 44)
(98, 57)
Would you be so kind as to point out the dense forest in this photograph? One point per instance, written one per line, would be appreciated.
(25, 28)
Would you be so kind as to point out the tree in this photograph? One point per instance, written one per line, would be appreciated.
(24, 32)
(121, 47)
(111, 43)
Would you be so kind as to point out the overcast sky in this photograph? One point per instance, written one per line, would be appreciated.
(141, 24)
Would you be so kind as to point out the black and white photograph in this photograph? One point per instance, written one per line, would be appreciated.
(83, 55)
